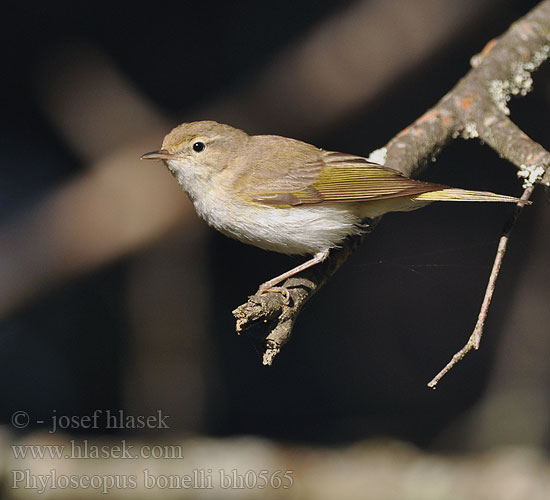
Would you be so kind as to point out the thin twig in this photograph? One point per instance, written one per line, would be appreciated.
(475, 338)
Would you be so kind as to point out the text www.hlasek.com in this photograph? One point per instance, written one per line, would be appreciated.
(197, 479)
(85, 450)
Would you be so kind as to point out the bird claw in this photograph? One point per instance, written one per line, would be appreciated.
(276, 289)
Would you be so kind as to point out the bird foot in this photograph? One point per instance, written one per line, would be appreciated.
(265, 288)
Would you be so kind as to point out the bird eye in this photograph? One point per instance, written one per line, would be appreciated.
(198, 147)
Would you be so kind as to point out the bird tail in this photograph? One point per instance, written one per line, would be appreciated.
(452, 194)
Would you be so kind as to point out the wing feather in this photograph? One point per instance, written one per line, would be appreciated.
(332, 178)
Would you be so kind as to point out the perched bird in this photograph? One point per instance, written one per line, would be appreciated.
(288, 196)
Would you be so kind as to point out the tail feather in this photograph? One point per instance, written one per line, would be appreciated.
(452, 194)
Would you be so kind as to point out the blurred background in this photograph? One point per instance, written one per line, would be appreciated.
(114, 296)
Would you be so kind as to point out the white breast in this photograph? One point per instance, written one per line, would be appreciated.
(296, 230)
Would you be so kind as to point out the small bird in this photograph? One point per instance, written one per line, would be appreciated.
(288, 196)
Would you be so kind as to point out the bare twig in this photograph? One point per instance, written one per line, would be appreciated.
(475, 338)
(475, 108)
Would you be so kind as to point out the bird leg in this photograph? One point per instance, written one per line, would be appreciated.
(270, 286)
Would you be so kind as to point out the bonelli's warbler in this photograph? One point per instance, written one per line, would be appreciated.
(286, 195)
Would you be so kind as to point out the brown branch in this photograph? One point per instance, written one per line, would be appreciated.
(270, 309)
(475, 108)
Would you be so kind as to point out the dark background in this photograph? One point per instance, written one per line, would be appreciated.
(365, 347)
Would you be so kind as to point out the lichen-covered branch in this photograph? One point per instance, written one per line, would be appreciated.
(475, 108)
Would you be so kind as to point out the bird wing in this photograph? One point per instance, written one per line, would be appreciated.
(331, 178)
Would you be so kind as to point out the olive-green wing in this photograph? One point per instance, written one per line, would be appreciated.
(336, 177)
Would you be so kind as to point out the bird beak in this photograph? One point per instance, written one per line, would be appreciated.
(160, 154)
